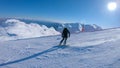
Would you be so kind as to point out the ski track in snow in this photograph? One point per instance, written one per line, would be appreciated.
(85, 50)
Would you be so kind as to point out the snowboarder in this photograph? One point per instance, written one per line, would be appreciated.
(65, 35)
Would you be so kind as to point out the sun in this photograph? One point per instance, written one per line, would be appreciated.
(112, 6)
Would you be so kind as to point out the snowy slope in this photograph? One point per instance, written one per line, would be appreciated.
(99, 49)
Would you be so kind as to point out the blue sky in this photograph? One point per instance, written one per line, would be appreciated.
(85, 11)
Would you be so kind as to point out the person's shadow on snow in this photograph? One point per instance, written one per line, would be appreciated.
(34, 55)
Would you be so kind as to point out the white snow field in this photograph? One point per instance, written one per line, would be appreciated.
(100, 49)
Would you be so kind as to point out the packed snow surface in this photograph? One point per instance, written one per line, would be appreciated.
(100, 49)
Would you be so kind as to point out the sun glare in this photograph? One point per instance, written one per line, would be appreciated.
(112, 6)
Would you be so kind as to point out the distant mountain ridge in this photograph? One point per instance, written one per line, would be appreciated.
(17, 29)
(25, 28)
(73, 27)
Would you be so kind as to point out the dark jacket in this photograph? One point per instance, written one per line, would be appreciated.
(65, 33)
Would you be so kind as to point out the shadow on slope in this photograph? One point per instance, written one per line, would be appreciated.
(34, 55)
